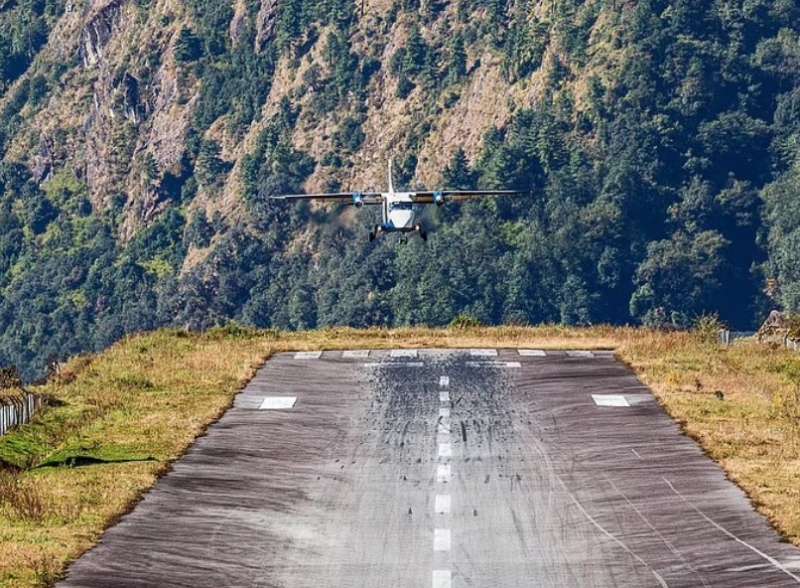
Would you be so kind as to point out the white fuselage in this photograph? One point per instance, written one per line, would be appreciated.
(399, 213)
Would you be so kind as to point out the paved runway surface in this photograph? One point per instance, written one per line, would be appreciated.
(487, 469)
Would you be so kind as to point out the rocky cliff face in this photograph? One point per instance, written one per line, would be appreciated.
(121, 110)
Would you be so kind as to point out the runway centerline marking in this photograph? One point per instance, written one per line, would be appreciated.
(444, 381)
(444, 412)
(443, 473)
(444, 396)
(445, 450)
(441, 579)
(441, 539)
(442, 504)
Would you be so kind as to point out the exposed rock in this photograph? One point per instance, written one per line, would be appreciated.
(265, 23)
(236, 28)
(98, 30)
(778, 328)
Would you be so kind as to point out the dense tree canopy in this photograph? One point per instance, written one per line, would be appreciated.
(660, 189)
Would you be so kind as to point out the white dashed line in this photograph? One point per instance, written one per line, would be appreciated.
(444, 381)
(308, 355)
(442, 504)
(532, 352)
(442, 579)
(277, 402)
(445, 450)
(356, 353)
(404, 353)
(444, 412)
(443, 473)
(444, 396)
(483, 352)
(441, 539)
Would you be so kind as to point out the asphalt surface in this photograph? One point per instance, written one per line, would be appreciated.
(443, 470)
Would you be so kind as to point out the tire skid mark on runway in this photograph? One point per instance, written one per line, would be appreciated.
(775, 563)
(611, 536)
(670, 546)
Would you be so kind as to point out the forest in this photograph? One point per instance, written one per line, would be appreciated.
(661, 187)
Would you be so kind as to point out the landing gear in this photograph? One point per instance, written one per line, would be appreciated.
(423, 235)
(373, 234)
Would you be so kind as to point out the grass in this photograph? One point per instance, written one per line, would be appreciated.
(121, 418)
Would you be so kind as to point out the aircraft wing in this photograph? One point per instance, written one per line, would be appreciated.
(443, 196)
(357, 198)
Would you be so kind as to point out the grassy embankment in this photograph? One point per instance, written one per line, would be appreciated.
(123, 416)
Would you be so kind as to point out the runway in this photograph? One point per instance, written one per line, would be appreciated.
(479, 468)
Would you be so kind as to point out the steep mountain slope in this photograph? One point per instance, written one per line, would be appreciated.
(140, 139)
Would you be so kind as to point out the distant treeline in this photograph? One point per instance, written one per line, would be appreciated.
(662, 189)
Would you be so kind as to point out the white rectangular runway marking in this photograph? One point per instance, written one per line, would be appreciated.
(394, 364)
(441, 539)
(495, 364)
(443, 473)
(444, 396)
(610, 400)
(443, 438)
(580, 354)
(444, 426)
(441, 579)
(278, 402)
(356, 353)
(442, 504)
(483, 352)
(308, 355)
(444, 412)
(445, 450)
(404, 353)
(444, 381)
(532, 352)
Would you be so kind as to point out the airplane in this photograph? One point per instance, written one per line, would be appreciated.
(400, 210)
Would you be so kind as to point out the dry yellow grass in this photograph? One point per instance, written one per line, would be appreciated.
(134, 409)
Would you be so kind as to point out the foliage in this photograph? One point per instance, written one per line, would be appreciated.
(660, 157)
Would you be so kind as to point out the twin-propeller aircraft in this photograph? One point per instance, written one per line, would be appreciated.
(400, 210)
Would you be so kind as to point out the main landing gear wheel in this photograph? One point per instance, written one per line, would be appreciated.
(421, 231)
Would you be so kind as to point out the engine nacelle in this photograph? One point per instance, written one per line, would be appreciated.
(358, 199)
(438, 198)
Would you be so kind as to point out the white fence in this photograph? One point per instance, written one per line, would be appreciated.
(18, 412)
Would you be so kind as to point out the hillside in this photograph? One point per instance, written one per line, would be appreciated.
(119, 419)
(140, 138)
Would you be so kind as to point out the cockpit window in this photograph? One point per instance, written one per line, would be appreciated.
(401, 206)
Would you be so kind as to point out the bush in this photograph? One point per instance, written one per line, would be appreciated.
(707, 327)
(465, 321)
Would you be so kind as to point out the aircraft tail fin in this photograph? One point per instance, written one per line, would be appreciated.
(391, 179)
